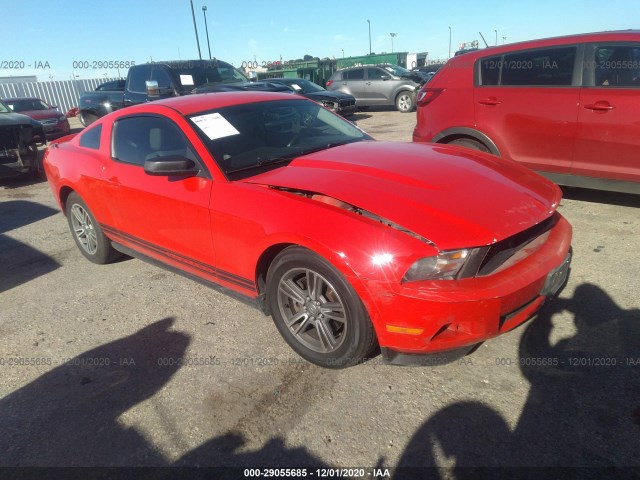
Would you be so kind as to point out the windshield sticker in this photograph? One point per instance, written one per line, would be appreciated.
(296, 87)
(214, 126)
(186, 80)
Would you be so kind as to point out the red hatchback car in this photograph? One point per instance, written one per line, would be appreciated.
(566, 107)
(345, 241)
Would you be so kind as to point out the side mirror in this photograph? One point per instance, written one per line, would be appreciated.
(153, 90)
(385, 77)
(171, 166)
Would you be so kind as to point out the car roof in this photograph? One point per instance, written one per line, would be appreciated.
(202, 102)
(609, 36)
(15, 99)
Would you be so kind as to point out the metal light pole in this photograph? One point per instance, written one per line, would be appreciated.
(193, 14)
(343, 53)
(393, 35)
(204, 12)
(369, 22)
(449, 42)
(496, 37)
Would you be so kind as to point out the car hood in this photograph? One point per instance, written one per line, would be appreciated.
(14, 119)
(42, 114)
(452, 196)
(335, 95)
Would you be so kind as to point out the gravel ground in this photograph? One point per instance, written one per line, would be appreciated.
(131, 365)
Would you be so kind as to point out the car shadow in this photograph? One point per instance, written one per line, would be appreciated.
(582, 409)
(21, 262)
(19, 213)
(11, 180)
(601, 196)
(356, 117)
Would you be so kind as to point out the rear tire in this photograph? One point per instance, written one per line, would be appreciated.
(316, 310)
(405, 102)
(86, 232)
(470, 143)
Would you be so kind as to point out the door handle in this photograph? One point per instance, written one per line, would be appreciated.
(600, 106)
(368, 83)
(490, 102)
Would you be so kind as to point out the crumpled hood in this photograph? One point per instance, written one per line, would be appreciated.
(452, 196)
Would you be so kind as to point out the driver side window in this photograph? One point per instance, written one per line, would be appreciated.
(141, 138)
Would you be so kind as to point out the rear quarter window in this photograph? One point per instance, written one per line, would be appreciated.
(539, 67)
(91, 138)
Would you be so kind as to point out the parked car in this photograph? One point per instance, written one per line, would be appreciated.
(566, 107)
(345, 241)
(157, 80)
(374, 85)
(338, 102)
(53, 121)
(425, 74)
(18, 143)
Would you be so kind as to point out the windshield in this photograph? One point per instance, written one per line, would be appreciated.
(396, 70)
(27, 105)
(208, 74)
(304, 86)
(248, 139)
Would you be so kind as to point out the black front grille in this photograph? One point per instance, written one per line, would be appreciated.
(500, 252)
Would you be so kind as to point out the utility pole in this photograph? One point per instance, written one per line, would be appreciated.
(369, 22)
(204, 12)
(496, 37)
(393, 35)
(449, 42)
(193, 14)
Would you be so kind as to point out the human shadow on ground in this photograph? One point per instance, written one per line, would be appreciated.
(583, 409)
(69, 415)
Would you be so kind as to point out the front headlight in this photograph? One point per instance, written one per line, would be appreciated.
(445, 266)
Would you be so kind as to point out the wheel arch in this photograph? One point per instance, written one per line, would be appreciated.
(268, 254)
(456, 133)
(63, 195)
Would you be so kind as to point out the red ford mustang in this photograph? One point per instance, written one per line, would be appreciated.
(346, 242)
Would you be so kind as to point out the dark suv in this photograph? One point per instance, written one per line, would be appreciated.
(566, 107)
(377, 85)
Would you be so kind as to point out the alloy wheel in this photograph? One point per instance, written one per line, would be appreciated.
(312, 310)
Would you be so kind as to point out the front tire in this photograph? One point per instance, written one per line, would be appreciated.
(87, 119)
(316, 311)
(405, 102)
(87, 234)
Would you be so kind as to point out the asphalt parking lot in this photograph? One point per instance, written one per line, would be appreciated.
(131, 365)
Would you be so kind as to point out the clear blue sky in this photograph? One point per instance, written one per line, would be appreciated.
(62, 32)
